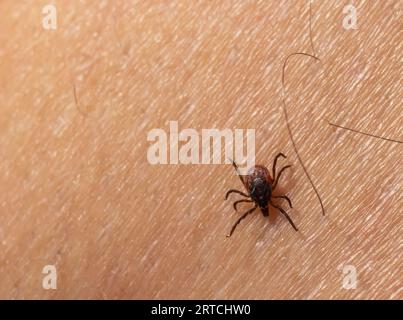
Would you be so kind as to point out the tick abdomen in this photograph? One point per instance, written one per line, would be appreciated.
(259, 182)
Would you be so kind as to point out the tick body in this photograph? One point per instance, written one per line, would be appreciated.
(259, 186)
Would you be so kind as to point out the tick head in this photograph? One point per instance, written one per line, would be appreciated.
(265, 211)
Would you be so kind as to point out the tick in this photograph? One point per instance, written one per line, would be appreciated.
(260, 186)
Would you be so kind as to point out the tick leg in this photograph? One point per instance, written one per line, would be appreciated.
(275, 163)
(240, 219)
(235, 191)
(285, 214)
(239, 201)
(279, 175)
(238, 172)
(284, 197)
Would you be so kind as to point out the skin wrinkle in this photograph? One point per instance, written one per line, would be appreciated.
(87, 200)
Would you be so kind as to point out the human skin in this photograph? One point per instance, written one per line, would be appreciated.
(78, 192)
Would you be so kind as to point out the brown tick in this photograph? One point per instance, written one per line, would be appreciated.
(260, 185)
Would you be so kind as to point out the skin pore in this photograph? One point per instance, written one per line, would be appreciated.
(77, 190)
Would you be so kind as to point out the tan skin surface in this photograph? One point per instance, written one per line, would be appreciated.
(77, 191)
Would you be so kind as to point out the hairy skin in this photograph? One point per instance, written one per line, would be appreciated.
(77, 191)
